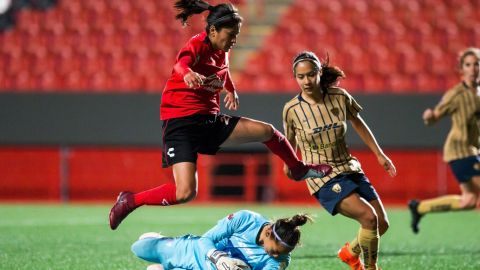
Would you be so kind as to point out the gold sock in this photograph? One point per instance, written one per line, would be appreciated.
(354, 247)
(369, 241)
(440, 204)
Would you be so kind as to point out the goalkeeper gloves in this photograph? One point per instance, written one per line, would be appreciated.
(223, 262)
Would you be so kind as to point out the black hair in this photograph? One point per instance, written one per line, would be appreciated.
(221, 16)
(469, 51)
(286, 229)
(330, 74)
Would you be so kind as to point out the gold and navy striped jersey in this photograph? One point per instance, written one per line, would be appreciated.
(318, 130)
(463, 106)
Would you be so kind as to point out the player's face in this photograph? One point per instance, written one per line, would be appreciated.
(224, 39)
(274, 248)
(470, 68)
(308, 77)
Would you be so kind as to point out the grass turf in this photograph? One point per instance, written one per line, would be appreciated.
(76, 236)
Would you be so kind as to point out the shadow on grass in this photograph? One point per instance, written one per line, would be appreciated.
(395, 254)
(429, 253)
(315, 256)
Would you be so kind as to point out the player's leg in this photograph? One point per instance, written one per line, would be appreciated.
(359, 209)
(147, 247)
(466, 201)
(383, 222)
(184, 190)
(249, 130)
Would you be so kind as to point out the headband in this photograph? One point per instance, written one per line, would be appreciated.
(280, 239)
(313, 61)
(225, 18)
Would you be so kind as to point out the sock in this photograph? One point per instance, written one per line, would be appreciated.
(354, 247)
(369, 243)
(440, 204)
(162, 195)
(280, 146)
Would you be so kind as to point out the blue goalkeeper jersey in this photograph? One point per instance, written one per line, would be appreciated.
(235, 234)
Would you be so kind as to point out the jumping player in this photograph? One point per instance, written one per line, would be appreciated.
(190, 111)
(242, 240)
(461, 149)
(315, 121)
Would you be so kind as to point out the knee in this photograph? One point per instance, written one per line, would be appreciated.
(369, 220)
(383, 226)
(269, 131)
(186, 195)
(469, 202)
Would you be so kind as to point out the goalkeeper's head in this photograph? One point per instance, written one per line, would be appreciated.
(283, 235)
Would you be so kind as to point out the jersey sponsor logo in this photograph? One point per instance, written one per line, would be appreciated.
(213, 83)
(325, 145)
(170, 152)
(229, 217)
(337, 188)
(326, 127)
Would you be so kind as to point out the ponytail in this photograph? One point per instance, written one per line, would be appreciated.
(286, 230)
(330, 75)
(188, 8)
(220, 16)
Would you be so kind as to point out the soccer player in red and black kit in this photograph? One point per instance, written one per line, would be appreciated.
(190, 111)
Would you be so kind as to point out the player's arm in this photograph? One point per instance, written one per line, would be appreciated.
(224, 229)
(185, 61)
(445, 106)
(231, 97)
(367, 137)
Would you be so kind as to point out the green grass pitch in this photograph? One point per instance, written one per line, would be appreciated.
(74, 236)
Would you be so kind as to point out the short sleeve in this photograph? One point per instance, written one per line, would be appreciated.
(447, 104)
(352, 106)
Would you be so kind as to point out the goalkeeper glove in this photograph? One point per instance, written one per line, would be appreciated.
(223, 262)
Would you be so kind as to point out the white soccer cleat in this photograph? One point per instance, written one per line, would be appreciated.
(155, 267)
(150, 235)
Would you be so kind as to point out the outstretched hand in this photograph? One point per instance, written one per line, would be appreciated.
(387, 164)
(428, 116)
(231, 100)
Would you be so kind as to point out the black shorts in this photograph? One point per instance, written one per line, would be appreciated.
(185, 137)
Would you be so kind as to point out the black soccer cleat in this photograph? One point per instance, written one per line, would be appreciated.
(413, 206)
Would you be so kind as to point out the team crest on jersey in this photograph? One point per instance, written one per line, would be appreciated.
(229, 217)
(337, 188)
(335, 111)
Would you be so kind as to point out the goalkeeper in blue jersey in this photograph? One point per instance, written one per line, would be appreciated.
(242, 240)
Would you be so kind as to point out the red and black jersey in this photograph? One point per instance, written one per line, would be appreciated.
(178, 100)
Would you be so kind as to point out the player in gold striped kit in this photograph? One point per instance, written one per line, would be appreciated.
(461, 149)
(315, 122)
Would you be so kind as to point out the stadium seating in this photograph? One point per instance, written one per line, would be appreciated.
(383, 46)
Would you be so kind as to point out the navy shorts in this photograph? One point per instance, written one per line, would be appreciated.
(184, 138)
(464, 169)
(342, 185)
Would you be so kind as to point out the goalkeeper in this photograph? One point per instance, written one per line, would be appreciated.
(242, 240)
